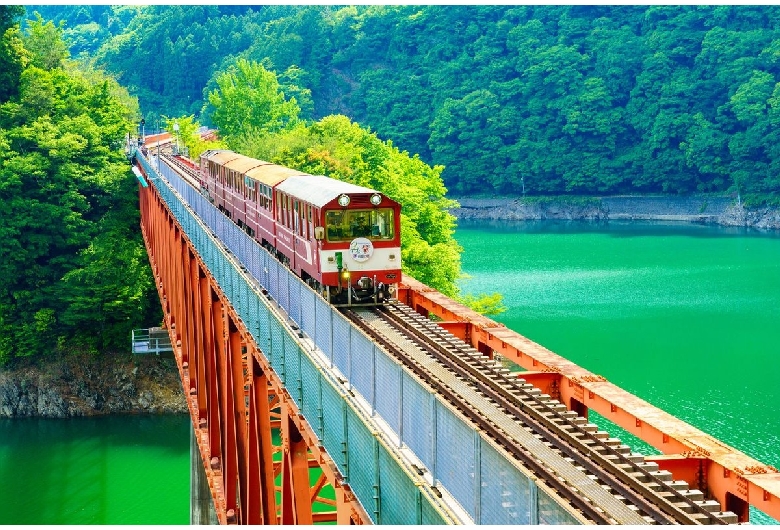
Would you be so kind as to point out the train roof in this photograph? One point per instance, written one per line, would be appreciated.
(220, 156)
(319, 190)
(259, 170)
(272, 174)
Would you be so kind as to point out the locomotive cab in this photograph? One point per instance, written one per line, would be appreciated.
(357, 233)
(364, 231)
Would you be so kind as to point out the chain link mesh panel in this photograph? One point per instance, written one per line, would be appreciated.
(333, 435)
(418, 420)
(292, 368)
(294, 301)
(263, 329)
(322, 333)
(362, 462)
(253, 263)
(388, 390)
(308, 320)
(248, 297)
(455, 454)
(341, 343)
(282, 289)
(362, 365)
(273, 280)
(398, 495)
(504, 492)
(311, 405)
(277, 347)
(429, 515)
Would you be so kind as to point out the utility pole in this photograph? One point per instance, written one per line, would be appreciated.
(176, 132)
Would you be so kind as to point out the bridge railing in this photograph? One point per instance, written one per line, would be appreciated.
(151, 340)
(490, 487)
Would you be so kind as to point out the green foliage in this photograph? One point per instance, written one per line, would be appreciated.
(188, 136)
(68, 226)
(486, 304)
(44, 42)
(559, 99)
(249, 98)
(11, 52)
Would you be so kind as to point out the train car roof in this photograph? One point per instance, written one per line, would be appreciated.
(242, 164)
(319, 190)
(272, 174)
(221, 156)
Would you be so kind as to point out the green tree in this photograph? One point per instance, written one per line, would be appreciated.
(11, 52)
(67, 211)
(249, 98)
(44, 42)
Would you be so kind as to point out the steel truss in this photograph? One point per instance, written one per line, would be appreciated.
(235, 399)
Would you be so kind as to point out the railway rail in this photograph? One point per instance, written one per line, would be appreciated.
(601, 477)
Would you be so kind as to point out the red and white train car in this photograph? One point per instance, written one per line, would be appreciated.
(342, 239)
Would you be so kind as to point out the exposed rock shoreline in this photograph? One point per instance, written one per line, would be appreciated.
(91, 385)
(697, 209)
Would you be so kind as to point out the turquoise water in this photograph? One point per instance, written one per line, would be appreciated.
(105, 470)
(683, 316)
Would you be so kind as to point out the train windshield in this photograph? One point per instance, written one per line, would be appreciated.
(346, 225)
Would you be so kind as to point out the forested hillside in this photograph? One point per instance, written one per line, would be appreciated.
(541, 99)
(74, 276)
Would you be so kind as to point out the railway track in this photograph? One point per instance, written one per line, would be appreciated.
(597, 474)
(601, 477)
(191, 175)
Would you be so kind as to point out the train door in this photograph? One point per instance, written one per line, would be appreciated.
(303, 237)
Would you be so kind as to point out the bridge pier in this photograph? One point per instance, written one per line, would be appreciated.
(201, 503)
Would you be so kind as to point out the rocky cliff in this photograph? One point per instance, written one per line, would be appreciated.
(91, 385)
(699, 209)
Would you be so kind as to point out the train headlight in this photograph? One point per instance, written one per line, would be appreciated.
(345, 275)
(376, 199)
(343, 201)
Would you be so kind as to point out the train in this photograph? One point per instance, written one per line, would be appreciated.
(342, 239)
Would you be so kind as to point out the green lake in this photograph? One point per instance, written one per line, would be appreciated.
(684, 316)
(112, 470)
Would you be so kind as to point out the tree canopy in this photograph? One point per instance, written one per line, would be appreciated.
(557, 99)
(74, 274)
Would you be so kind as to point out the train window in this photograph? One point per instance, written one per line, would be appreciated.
(296, 221)
(345, 225)
(310, 229)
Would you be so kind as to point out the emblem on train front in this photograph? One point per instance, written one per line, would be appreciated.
(361, 249)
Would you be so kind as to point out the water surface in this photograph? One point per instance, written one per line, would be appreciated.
(102, 470)
(684, 316)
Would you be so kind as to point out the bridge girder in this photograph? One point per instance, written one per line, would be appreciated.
(235, 399)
